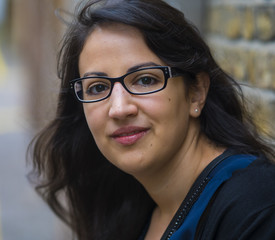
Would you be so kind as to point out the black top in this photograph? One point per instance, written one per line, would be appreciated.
(243, 208)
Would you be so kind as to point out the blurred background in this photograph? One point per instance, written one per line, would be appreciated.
(241, 34)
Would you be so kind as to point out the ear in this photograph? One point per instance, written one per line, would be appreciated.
(198, 94)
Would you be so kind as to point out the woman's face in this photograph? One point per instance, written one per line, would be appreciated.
(138, 134)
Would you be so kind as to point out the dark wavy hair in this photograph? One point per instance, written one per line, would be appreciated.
(101, 201)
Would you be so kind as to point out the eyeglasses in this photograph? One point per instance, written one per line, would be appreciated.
(139, 82)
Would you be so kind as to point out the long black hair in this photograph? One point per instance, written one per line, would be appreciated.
(101, 201)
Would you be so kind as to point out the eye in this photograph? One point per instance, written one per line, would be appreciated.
(97, 88)
(146, 81)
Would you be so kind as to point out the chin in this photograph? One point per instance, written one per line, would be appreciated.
(132, 166)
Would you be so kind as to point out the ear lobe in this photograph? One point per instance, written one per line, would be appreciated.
(198, 94)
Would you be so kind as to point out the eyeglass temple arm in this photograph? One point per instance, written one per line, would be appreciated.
(176, 72)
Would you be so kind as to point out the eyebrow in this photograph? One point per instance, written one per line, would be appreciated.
(87, 74)
(142, 65)
(136, 67)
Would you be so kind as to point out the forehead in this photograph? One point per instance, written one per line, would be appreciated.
(115, 46)
(116, 27)
(113, 31)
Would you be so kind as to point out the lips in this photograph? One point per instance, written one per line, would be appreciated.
(129, 135)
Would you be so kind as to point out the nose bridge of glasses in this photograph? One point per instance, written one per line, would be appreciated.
(120, 80)
(119, 88)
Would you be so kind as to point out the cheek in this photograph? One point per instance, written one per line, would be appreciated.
(167, 109)
(172, 114)
(94, 119)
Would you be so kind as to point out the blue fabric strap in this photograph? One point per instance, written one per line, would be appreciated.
(222, 172)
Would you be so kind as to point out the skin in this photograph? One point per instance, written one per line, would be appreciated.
(172, 152)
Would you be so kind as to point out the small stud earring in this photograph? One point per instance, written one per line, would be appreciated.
(196, 110)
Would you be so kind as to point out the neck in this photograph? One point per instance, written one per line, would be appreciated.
(169, 186)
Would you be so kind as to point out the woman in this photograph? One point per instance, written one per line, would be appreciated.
(151, 139)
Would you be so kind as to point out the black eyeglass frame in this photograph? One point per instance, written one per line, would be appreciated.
(167, 71)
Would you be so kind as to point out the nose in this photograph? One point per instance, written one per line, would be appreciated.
(122, 105)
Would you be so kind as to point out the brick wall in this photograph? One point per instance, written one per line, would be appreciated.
(241, 35)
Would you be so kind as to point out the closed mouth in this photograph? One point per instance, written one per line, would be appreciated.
(129, 135)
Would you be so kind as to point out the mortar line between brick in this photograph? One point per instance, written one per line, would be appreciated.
(246, 44)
